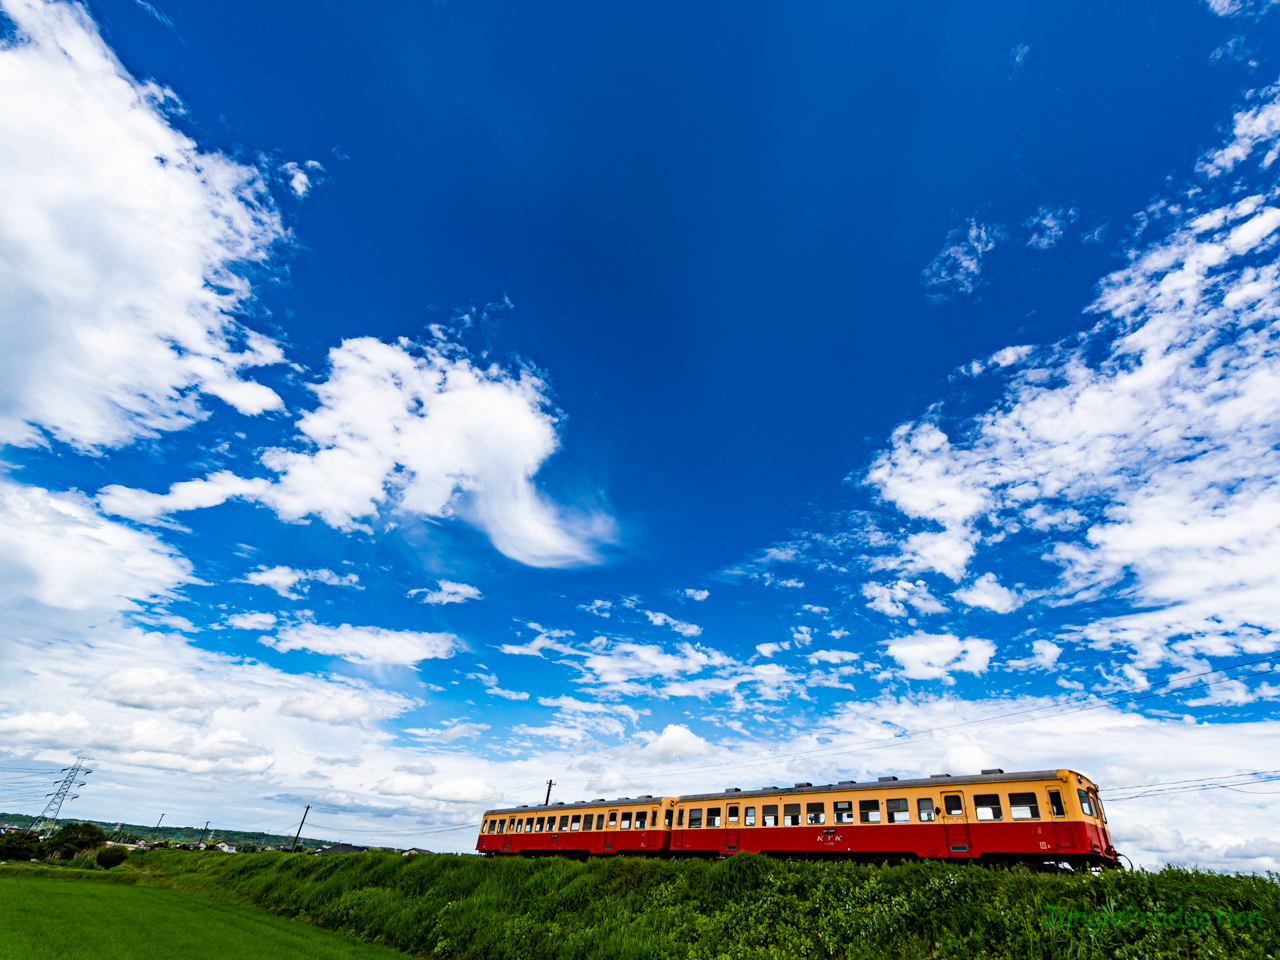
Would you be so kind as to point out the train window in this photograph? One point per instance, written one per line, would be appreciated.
(924, 809)
(815, 813)
(1055, 804)
(537, 827)
(575, 823)
(680, 818)
(519, 826)
(733, 815)
(640, 819)
(869, 811)
(1097, 802)
(897, 810)
(564, 822)
(770, 813)
(1085, 805)
(791, 814)
(588, 820)
(986, 806)
(843, 811)
(954, 804)
(695, 819)
(502, 825)
(666, 820)
(528, 825)
(713, 816)
(492, 826)
(749, 817)
(626, 821)
(1024, 806)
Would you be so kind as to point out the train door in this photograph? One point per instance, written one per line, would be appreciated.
(956, 823)
(1062, 833)
(731, 825)
(610, 830)
(677, 833)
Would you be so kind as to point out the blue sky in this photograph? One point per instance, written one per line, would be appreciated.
(403, 408)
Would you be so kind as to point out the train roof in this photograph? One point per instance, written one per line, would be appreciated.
(734, 793)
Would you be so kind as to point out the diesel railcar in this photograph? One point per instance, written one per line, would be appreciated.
(1037, 816)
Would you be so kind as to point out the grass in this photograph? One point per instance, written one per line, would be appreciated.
(743, 908)
(43, 918)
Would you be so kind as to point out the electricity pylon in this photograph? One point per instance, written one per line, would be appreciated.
(52, 809)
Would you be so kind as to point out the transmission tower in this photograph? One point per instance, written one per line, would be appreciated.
(49, 819)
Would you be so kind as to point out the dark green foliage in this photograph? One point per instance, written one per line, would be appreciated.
(18, 846)
(109, 857)
(743, 907)
(72, 838)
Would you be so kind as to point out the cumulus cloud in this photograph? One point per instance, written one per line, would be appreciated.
(365, 644)
(125, 248)
(676, 742)
(699, 595)
(601, 608)
(59, 551)
(338, 708)
(892, 599)
(924, 656)
(491, 687)
(986, 592)
(957, 269)
(679, 626)
(251, 620)
(420, 430)
(284, 580)
(447, 591)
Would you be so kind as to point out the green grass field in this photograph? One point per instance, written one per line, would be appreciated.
(42, 919)
(190, 905)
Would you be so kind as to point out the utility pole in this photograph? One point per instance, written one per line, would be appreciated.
(550, 784)
(299, 833)
(157, 828)
(53, 809)
(202, 833)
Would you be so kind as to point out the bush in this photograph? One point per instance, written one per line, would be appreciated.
(109, 857)
(67, 841)
(18, 846)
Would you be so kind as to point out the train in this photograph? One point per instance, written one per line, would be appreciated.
(1036, 817)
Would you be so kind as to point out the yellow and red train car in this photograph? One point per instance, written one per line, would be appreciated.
(1036, 816)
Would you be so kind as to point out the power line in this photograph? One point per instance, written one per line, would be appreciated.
(52, 809)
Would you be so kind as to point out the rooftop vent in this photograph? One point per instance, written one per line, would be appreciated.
(991, 771)
(884, 779)
(523, 806)
(733, 790)
(645, 796)
(558, 803)
(599, 800)
(845, 783)
(935, 776)
(804, 784)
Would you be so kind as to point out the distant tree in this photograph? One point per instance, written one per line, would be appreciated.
(18, 846)
(65, 842)
(109, 857)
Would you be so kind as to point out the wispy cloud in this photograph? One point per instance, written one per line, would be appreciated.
(957, 269)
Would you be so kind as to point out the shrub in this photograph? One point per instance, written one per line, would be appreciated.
(65, 842)
(17, 846)
(109, 857)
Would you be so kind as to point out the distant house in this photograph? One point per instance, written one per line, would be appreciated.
(414, 850)
(225, 847)
(342, 848)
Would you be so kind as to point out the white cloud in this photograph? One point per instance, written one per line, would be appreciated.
(449, 732)
(365, 644)
(924, 656)
(339, 708)
(892, 599)
(699, 595)
(1047, 226)
(1044, 656)
(770, 649)
(676, 742)
(420, 430)
(601, 608)
(251, 621)
(123, 246)
(831, 656)
(448, 592)
(957, 269)
(679, 626)
(490, 682)
(820, 611)
(56, 549)
(283, 580)
(986, 592)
